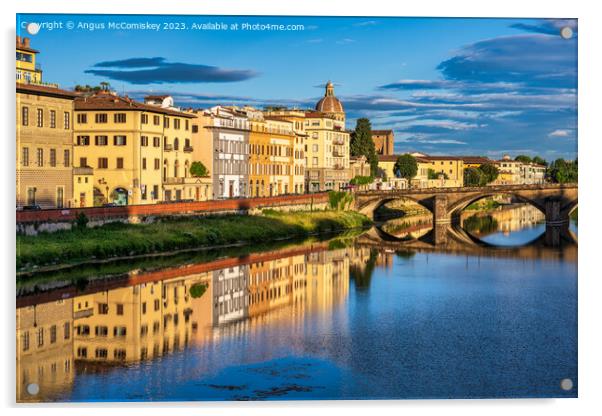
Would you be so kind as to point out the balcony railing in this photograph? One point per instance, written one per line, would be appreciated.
(171, 181)
(83, 171)
(167, 147)
(188, 149)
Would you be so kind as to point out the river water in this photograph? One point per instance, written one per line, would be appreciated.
(318, 319)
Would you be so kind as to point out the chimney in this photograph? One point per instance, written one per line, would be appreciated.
(26, 42)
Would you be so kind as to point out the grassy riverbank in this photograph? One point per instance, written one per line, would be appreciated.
(118, 240)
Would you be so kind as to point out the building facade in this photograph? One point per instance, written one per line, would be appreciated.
(384, 141)
(139, 153)
(28, 72)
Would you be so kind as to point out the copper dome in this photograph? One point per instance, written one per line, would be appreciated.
(329, 103)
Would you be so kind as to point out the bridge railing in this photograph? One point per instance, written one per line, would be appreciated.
(500, 188)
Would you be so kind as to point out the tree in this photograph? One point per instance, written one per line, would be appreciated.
(490, 172)
(406, 167)
(540, 161)
(562, 171)
(473, 177)
(523, 159)
(197, 169)
(362, 144)
(432, 174)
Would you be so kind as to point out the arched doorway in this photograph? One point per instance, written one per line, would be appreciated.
(120, 196)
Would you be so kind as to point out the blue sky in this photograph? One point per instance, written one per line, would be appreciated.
(445, 86)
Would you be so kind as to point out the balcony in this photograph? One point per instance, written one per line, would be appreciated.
(188, 149)
(167, 147)
(338, 153)
(85, 313)
(173, 181)
(83, 171)
(338, 141)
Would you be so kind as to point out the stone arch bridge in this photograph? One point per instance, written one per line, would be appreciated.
(556, 201)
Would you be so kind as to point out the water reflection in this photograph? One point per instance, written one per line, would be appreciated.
(145, 321)
(332, 319)
(500, 226)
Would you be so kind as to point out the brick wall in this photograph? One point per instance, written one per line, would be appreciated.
(201, 207)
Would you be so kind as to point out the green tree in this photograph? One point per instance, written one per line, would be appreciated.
(432, 174)
(406, 167)
(540, 161)
(523, 159)
(562, 171)
(362, 144)
(473, 177)
(197, 169)
(490, 172)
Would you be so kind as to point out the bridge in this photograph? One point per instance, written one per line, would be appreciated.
(556, 201)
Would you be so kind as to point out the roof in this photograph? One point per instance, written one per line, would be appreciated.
(23, 45)
(156, 97)
(475, 159)
(44, 90)
(108, 101)
(382, 132)
(329, 104)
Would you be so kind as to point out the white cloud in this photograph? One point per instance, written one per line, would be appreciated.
(560, 133)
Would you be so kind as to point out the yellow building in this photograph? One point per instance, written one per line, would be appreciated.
(297, 117)
(140, 153)
(449, 169)
(28, 72)
(44, 147)
(44, 350)
(134, 323)
(509, 171)
(271, 156)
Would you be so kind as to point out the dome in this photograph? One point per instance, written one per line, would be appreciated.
(329, 103)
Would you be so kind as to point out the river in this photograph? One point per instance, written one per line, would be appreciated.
(318, 319)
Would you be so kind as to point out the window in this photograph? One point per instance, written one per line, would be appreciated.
(119, 117)
(83, 140)
(119, 354)
(119, 331)
(120, 309)
(52, 119)
(101, 118)
(40, 157)
(195, 128)
(67, 330)
(40, 120)
(53, 334)
(156, 141)
(25, 341)
(119, 163)
(155, 191)
(83, 162)
(25, 116)
(31, 196)
(25, 156)
(144, 163)
(60, 197)
(176, 144)
(166, 122)
(176, 123)
(101, 353)
(103, 308)
(66, 158)
(66, 120)
(53, 158)
(103, 163)
(101, 331)
(156, 120)
(144, 119)
(82, 352)
(101, 140)
(119, 140)
(157, 304)
(157, 164)
(40, 337)
(82, 118)
(143, 308)
(83, 330)
(144, 141)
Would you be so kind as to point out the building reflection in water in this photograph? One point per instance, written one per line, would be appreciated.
(60, 339)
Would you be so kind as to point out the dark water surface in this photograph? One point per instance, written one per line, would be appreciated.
(317, 320)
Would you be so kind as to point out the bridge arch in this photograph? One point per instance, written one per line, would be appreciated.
(457, 207)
